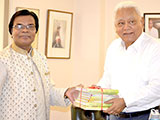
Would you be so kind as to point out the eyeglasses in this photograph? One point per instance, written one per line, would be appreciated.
(21, 27)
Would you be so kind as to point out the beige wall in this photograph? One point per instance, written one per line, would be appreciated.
(83, 67)
(1, 23)
(93, 31)
(4, 5)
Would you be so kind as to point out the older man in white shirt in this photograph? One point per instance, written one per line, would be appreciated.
(133, 67)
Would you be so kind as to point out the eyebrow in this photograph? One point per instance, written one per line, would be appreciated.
(23, 24)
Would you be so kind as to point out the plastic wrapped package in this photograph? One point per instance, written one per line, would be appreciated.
(93, 98)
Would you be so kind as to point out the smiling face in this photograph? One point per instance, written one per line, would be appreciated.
(23, 38)
(128, 25)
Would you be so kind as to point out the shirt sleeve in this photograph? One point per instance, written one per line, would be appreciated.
(3, 76)
(57, 97)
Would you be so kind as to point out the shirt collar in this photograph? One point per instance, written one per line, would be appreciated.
(136, 45)
(22, 51)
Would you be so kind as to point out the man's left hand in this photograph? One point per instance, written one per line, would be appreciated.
(118, 104)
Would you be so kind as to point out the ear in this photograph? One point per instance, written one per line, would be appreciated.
(142, 20)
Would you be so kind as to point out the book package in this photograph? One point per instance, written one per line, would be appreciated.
(93, 98)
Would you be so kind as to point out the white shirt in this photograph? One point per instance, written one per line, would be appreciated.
(135, 72)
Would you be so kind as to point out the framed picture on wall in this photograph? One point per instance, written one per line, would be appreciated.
(152, 24)
(59, 34)
(36, 11)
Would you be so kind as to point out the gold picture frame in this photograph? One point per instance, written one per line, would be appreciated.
(59, 34)
(37, 12)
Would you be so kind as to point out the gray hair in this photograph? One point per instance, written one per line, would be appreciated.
(127, 4)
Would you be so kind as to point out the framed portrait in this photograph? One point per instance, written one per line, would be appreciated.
(152, 24)
(59, 34)
(36, 11)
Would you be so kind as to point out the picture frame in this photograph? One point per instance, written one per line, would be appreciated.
(152, 24)
(37, 12)
(59, 34)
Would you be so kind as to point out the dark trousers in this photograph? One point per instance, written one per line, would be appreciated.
(141, 117)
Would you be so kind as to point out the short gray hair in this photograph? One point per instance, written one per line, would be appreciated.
(127, 4)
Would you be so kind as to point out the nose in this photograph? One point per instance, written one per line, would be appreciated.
(126, 26)
(25, 29)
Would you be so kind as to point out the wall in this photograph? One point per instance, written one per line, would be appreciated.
(87, 34)
(3, 21)
(83, 67)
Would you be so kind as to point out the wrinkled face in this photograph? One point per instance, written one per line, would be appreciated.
(128, 25)
(24, 31)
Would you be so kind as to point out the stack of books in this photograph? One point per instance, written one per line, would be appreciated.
(93, 98)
